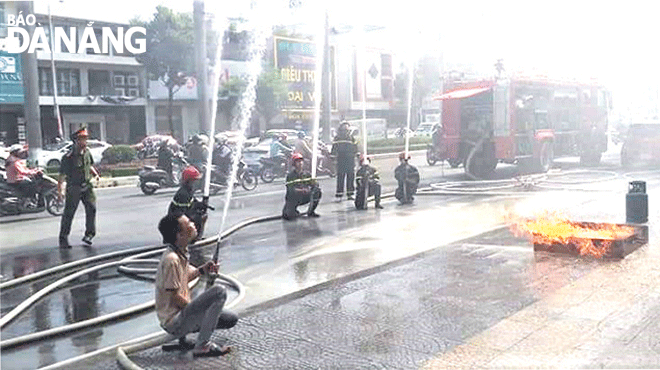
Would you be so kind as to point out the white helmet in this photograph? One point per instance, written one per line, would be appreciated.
(15, 148)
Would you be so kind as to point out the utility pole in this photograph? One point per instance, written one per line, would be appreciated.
(201, 66)
(31, 91)
(326, 88)
(56, 107)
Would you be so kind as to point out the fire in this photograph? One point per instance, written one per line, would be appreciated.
(552, 228)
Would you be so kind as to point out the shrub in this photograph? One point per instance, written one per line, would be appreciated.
(119, 154)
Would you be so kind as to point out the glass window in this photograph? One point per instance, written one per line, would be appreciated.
(68, 81)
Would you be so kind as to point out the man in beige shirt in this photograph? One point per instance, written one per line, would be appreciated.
(178, 315)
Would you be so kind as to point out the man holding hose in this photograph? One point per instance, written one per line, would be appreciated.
(177, 313)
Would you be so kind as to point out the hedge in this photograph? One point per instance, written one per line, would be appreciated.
(119, 154)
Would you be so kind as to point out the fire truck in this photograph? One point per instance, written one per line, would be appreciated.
(526, 121)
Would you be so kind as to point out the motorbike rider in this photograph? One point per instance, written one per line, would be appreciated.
(165, 157)
(301, 189)
(222, 156)
(436, 137)
(198, 152)
(302, 146)
(407, 176)
(185, 203)
(280, 150)
(22, 178)
(344, 148)
(367, 183)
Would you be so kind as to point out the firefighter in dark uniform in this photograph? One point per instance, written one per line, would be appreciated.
(185, 203)
(77, 169)
(367, 184)
(407, 176)
(301, 189)
(344, 148)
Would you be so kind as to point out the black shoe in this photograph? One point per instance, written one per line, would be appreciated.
(64, 244)
(313, 214)
(350, 197)
(378, 206)
(87, 239)
(182, 345)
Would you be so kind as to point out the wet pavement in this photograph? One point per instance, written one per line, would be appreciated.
(371, 290)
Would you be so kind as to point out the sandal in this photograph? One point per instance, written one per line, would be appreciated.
(211, 350)
(182, 345)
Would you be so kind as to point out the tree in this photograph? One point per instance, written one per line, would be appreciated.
(271, 91)
(169, 52)
(169, 55)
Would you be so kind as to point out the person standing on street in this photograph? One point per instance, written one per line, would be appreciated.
(301, 189)
(77, 169)
(344, 148)
(177, 313)
(367, 184)
(407, 176)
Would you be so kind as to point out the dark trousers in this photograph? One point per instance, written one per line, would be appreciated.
(404, 193)
(74, 195)
(347, 175)
(290, 212)
(361, 197)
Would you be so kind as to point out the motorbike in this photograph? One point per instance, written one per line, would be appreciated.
(433, 156)
(272, 168)
(326, 162)
(153, 178)
(12, 202)
(245, 177)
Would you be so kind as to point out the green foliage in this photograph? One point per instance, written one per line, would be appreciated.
(119, 154)
(271, 90)
(170, 47)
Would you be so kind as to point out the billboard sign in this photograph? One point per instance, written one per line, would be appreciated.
(11, 78)
(295, 60)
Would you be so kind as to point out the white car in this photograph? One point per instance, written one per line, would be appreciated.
(51, 154)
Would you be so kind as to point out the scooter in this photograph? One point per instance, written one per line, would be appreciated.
(12, 202)
(153, 178)
(244, 177)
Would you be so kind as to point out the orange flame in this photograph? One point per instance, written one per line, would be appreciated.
(552, 228)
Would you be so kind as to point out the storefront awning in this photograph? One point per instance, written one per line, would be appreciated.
(461, 94)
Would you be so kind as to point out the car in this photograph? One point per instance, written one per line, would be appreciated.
(641, 145)
(51, 154)
(425, 129)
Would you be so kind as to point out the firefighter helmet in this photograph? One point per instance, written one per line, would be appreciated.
(190, 173)
(297, 157)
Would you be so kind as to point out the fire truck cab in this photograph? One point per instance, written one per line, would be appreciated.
(521, 120)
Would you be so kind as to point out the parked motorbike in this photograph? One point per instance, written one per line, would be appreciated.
(12, 202)
(272, 168)
(153, 178)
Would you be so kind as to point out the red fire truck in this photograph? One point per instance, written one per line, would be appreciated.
(527, 121)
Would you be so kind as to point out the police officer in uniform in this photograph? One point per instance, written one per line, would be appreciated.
(301, 189)
(344, 148)
(185, 203)
(77, 168)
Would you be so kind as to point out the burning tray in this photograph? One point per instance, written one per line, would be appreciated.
(590, 241)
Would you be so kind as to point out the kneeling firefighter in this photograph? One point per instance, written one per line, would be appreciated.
(301, 189)
(185, 203)
(367, 183)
